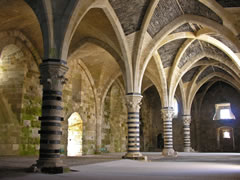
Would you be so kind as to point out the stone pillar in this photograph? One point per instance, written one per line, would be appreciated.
(52, 78)
(167, 115)
(186, 133)
(133, 102)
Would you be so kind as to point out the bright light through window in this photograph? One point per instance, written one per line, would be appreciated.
(225, 114)
(175, 107)
(226, 134)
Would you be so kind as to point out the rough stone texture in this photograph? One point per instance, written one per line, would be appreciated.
(205, 125)
(205, 73)
(20, 97)
(85, 105)
(197, 8)
(114, 126)
(188, 76)
(165, 12)
(209, 48)
(227, 43)
(183, 28)
(196, 27)
(220, 70)
(169, 51)
(193, 50)
(130, 13)
(229, 3)
(152, 123)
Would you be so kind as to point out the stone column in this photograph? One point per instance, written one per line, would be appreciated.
(186, 133)
(133, 102)
(167, 115)
(52, 78)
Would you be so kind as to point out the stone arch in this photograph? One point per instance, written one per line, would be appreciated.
(122, 41)
(154, 45)
(19, 39)
(204, 80)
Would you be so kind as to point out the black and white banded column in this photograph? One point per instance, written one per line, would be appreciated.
(167, 115)
(52, 78)
(186, 133)
(133, 101)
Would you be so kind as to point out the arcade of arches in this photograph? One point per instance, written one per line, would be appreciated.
(99, 76)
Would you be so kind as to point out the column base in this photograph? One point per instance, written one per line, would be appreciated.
(49, 167)
(169, 153)
(135, 156)
(187, 149)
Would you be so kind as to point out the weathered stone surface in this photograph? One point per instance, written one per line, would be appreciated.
(151, 121)
(20, 98)
(205, 134)
(220, 70)
(193, 50)
(169, 51)
(205, 73)
(227, 43)
(165, 12)
(130, 13)
(188, 76)
(197, 8)
(211, 49)
(183, 28)
(114, 126)
(229, 3)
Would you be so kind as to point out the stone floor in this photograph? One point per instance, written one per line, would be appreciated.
(197, 166)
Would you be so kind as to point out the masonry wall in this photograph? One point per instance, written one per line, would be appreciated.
(20, 97)
(79, 96)
(152, 123)
(207, 127)
(114, 125)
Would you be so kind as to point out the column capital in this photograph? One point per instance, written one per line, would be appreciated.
(167, 112)
(186, 119)
(133, 102)
(52, 74)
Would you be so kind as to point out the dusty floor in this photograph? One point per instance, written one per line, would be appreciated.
(204, 166)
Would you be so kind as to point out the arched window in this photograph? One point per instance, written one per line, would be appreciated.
(175, 107)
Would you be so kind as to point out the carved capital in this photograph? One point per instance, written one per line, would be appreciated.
(52, 75)
(133, 102)
(186, 120)
(167, 113)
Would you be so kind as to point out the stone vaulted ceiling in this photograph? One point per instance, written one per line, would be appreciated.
(195, 58)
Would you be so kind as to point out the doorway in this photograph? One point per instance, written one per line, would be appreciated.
(75, 133)
(226, 139)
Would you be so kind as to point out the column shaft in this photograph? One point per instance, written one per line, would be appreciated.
(186, 133)
(52, 79)
(133, 101)
(167, 114)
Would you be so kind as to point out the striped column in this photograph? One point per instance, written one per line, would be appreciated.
(52, 78)
(186, 133)
(133, 101)
(167, 115)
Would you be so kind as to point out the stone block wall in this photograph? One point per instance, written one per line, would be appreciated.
(151, 120)
(205, 138)
(152, 123)
(20, 97)
(114, 125)
(84, 104)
